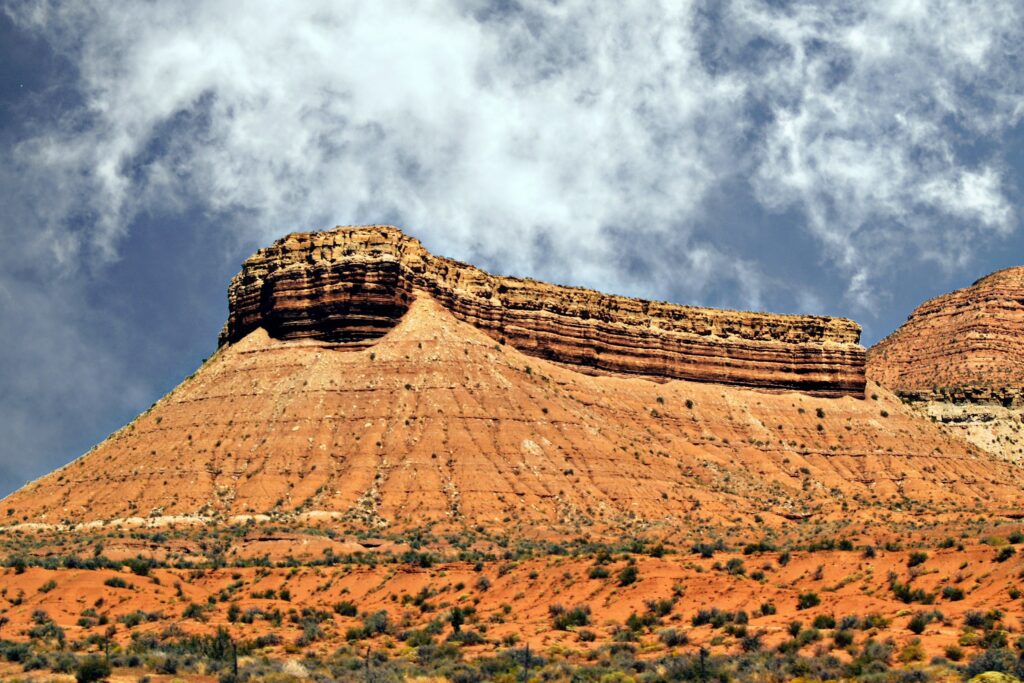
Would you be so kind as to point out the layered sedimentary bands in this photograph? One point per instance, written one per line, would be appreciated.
(411, 411)
(352, 285)
(959, 360)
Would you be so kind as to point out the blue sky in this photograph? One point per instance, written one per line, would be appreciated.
(850, 159)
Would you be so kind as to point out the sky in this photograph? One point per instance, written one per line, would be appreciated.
(846, 158)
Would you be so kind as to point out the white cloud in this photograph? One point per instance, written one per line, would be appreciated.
(550, 124)
(870, 107)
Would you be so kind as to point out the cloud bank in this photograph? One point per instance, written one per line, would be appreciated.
(537, 132)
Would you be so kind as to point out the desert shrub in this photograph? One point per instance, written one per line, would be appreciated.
(906, 594)
(376, 623)
(660, 608)
(843, 638)
(992, 660)
(916, 559)
(563, 620)
(952, 593)
(850, 621)
(598, 572)
(917, 623)
(346, 608)
(735, 566)
(808, 600)
(139, 566)
(718, 618)
(193, 611)
(987, 621)
(824, 621)
(1005, 553)
(92, 668)
(874, 620)
(628, 575)
(673, 637)
(116, 582)
(994, 639)
(751, 643)
(708, 550)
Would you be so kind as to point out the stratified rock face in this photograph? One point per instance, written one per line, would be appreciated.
(959, 360)
(959, 342)
(438, 423)
(352, 285)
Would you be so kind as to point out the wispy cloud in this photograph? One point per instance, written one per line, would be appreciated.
(488, 129)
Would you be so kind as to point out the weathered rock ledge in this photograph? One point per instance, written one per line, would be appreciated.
(966, 341)
(351, 285)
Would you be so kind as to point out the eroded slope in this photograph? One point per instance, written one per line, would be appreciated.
(437, 421)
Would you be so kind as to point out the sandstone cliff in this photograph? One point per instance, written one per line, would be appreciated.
(360, 383)
(967, 338)
(437, 422)
(352, 285)
(959, 360)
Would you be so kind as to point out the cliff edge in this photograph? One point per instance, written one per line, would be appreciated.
(351, 285)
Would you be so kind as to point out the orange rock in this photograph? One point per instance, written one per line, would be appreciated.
(353, 284)
(435, 421)
(965, 343)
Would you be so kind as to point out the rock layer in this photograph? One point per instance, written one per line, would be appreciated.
(436, 422)
(352, 285)
(961, 341)
(959, 360)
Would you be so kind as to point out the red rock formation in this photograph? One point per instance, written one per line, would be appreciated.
(960, 342)
(436, 421)
(959, 360)
(351, 285)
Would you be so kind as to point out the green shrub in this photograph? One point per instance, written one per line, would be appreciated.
(952, 593)
(916, 559)
(917, 624)
(808, 600)
(843, 638)
(92, 668)
(563, 619)
(824, 621)
(673, 637)
(628, 575)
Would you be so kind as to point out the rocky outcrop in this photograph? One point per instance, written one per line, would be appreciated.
(959, 360)
(437, 423)
(958, 342)
(351, 285)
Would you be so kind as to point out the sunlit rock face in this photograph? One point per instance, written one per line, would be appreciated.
(353, 284)
(959, 361)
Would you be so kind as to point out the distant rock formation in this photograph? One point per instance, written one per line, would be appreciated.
(351, 285)
(959, 359)
(967, 338)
